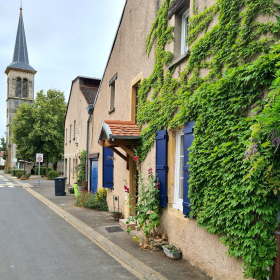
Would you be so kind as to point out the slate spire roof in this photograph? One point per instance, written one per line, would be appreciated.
(20, 58)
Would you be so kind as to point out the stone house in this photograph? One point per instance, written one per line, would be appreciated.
(82, 94)
(114, 132)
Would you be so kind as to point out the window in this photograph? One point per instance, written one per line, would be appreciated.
(65, 167)
(70, 133)
(179, 165)
(69, 169)
(136, 101)
(184, 32)
(74, 130)
(112, 85)
(18, 88)
(112, 97)
(73, 168)
(24, 88)
(77, 137)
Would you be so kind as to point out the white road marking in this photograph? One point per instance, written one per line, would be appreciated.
(2, 186)
(5, 179)
(11, 186)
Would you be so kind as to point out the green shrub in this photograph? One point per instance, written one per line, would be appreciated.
(100, 202)
(42, 170)
(52, 174)
(19, 174)
(27, 175)
(95, 201)
(14, 171)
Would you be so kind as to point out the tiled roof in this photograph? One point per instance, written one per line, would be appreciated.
(89, 93)
(123, 128)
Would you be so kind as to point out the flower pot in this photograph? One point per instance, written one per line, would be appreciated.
(76, 190)
(170, 253)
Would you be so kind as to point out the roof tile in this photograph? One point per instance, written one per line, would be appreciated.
(123, 128)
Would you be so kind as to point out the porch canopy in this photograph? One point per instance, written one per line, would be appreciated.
(122, 134)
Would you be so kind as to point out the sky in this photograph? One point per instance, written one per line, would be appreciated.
(65, 39)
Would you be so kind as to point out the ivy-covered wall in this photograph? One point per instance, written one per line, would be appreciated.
(242, 57)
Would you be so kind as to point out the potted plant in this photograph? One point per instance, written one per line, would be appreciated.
(172, 252)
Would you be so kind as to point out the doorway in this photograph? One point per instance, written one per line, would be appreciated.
(93, 175)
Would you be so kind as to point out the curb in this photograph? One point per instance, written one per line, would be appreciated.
(132, 264)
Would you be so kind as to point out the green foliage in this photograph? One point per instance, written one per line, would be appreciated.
(39, 126)
(14, 171)
(19, 174)
(52, 174)
(42, 170)
(241, 57)
(81, 168)
(27, 175)
(95, 201)
(147, 206)
(3, 145)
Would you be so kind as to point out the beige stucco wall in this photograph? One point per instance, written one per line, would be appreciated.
(129, 60)
(76, 112)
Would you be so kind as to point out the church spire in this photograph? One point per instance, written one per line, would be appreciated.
(20, 52)
(20, 58)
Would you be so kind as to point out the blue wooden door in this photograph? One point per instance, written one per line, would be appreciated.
(93, 175)
(108, 168)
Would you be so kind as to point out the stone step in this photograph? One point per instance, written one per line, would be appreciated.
(125, 226)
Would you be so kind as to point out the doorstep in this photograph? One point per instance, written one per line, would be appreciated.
(123, 223)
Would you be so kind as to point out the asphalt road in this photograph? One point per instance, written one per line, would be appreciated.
(36, 243)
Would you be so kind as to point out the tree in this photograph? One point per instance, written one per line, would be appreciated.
(3, 145)
(39, 127)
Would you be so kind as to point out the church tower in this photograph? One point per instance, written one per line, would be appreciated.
(20, 88)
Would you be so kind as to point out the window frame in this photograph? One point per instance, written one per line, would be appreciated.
(178, 202)
(74, 128)
(112, 96)
(184, 32)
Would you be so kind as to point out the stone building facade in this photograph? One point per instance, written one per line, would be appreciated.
(20, 88)
(82, 94)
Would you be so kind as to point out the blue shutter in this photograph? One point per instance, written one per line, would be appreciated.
(108, 168)
(188, 138)
(161, 164)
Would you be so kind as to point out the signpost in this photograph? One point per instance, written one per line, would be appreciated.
(39, 159)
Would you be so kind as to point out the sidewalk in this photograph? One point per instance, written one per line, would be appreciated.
(121, 246)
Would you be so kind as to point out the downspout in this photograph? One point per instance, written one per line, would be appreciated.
(89, 111)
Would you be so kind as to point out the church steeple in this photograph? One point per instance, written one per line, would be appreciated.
(20, 58)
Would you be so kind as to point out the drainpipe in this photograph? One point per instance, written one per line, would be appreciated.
(89, 111)
(276, 266)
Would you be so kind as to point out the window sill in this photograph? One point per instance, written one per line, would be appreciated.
(180, 59)
(178, 207)
(111, 111)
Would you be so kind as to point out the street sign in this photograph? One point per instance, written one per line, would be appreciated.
(39, 157)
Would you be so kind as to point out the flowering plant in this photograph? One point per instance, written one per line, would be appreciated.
(126, 189)
(147, 206)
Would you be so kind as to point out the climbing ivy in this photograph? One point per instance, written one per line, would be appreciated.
(240, 55)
